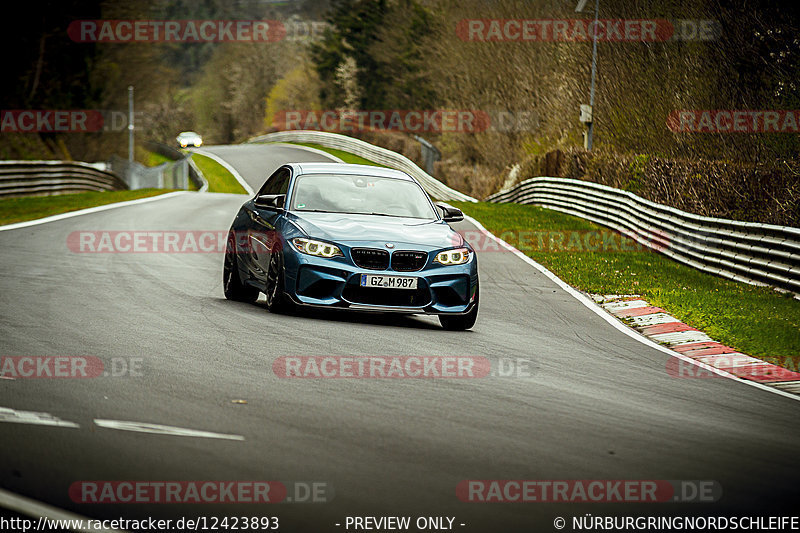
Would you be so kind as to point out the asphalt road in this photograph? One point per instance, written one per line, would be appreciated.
(596, 404)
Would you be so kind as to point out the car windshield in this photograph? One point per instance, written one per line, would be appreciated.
(368, 195)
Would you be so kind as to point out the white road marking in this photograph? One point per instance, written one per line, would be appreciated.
(158, 429)
(39, 510)
(88, 210)
(31, 417)
(615, 323)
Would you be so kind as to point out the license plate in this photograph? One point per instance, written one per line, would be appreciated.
(388, 282)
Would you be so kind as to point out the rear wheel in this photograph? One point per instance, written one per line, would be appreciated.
(461, 322)
(277, 301)
(232, 284)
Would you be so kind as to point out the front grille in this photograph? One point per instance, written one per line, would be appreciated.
(404, 261)
(387, 297)
(370, 258)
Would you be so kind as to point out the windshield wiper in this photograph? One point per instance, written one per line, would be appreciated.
(354, 213)
(388, 215)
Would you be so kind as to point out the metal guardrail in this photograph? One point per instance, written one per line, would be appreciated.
(759, 254)
(169, 175)
(197, 176)
(170, 152)
(41, 178)
(376, 154)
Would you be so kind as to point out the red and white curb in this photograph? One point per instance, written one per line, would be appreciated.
(663, 328)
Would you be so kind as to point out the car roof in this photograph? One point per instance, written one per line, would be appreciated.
(348, 168)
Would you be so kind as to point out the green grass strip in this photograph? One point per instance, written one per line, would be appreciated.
(32, 207)
(347, 157)
(218, 177)
(754, 320)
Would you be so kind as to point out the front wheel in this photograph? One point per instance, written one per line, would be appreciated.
(461, 322)
(232, 284)
(277, 301)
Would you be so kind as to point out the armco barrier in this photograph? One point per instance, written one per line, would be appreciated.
(41, 178)
(759, 254)
(195, 174)
(369, 151)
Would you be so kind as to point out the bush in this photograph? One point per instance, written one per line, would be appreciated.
(755, 192)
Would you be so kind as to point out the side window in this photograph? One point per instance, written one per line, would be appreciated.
(284, 182)
(278, 183)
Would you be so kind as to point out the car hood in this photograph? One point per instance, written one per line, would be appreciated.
(348, 228)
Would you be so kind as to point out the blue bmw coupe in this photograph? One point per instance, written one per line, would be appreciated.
(351, 237)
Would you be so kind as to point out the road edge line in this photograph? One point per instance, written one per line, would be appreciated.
(86, 211)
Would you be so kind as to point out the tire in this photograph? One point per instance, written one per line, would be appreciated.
(461, 322)
(232, 284)
(277, 301)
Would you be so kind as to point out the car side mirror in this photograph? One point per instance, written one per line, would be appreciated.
(270, 201)
(450, 213)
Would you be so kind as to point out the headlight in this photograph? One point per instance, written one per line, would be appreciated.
(318, 248)
(459, 256)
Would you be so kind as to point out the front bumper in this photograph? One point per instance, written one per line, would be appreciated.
(330, 283)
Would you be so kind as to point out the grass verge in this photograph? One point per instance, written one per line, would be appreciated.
(218, 177)
(154, 159)
(32, 207)
(755, 320)
(347, 157)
